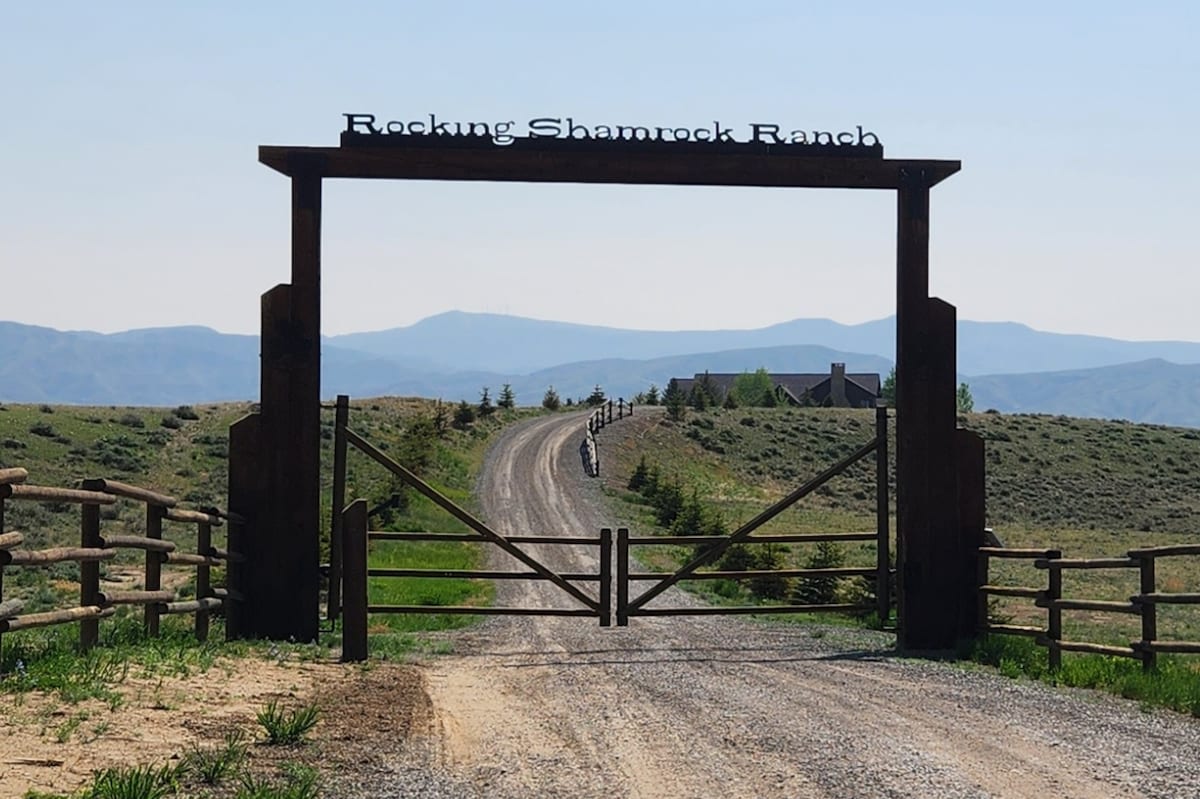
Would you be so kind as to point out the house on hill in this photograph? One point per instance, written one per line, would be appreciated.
(836, 389)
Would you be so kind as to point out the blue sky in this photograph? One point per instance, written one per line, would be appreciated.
(132, 196)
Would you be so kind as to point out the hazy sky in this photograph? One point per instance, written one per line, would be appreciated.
(132, 196)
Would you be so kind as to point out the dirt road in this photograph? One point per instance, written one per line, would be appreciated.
(726, 707)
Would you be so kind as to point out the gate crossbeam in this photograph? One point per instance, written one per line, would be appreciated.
(744, 532)
(430, 493)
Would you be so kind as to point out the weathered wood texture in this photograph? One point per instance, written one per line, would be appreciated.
(134, 492)
(54, 617)
(11, 540)
(136, 542)
(13, 475)
(135, 597)
(10, 608)
(49, 494)
(44, 557)
(193, 517)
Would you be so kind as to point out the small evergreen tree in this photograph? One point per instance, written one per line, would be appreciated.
(888, 391)
(699, 399)
(690, 518)
(486, 408)
(649, 488)
(507, 398)
(638, 478)
(966, 403)
(668, 502)
(596, 398)
(730, 402)
(464, 415)
(651, 395)
(820, 590)
(441, 418)
(550, 400)
(675, 401)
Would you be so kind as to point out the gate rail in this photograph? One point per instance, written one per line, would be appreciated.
(744, 535)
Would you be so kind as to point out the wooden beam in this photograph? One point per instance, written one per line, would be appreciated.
(596, 166)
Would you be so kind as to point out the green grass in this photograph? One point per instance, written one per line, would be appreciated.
(1175, 684)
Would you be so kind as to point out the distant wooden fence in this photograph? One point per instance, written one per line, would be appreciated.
(597, 421)
(1144, 604)
(95, 548)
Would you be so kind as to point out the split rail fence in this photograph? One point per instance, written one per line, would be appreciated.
(97, 602)
(1143, 604)
(589, 450)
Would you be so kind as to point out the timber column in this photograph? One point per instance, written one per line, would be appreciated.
(928, 537)
(282, 586)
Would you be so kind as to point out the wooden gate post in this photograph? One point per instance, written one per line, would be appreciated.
(972, 518)
(246, 479)
(354, 558)
(926, 482)
(622, 577)
(341, 420)
(282, 599)
(605, 594)
(883, 573)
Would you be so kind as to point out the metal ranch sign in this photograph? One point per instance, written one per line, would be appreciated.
(368, 130)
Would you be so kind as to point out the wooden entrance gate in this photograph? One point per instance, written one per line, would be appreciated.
(274, 470)
(714, 547)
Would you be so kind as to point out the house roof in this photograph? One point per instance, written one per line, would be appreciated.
(794, 384)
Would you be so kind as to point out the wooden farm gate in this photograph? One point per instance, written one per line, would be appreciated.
(714, 547)
(349, 570)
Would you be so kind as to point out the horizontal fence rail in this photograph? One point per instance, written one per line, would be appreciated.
(96, 547)
(1144, 604)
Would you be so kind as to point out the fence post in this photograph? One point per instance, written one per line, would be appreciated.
(89, 573)
(354, 559)
(883, 577)
(622, 577)
(610, 412)
(631, 407)
(981, 610)
(203, 577)
(2, 558)
(341, 419)
(606, 540)
(1053, 611)
(1149, 613)
(154, 561)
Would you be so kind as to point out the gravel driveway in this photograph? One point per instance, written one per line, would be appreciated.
(716, 707)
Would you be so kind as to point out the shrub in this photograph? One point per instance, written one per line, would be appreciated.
(137, 782)
(820, 590)
(43, 429)
(464, 416)
(131, 420)
(638, 479)
(550, 400)
(187, 413)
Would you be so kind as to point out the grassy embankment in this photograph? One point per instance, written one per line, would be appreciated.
(1091, 488)
(183, 452)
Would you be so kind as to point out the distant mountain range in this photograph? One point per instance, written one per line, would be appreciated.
(1010, 367)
